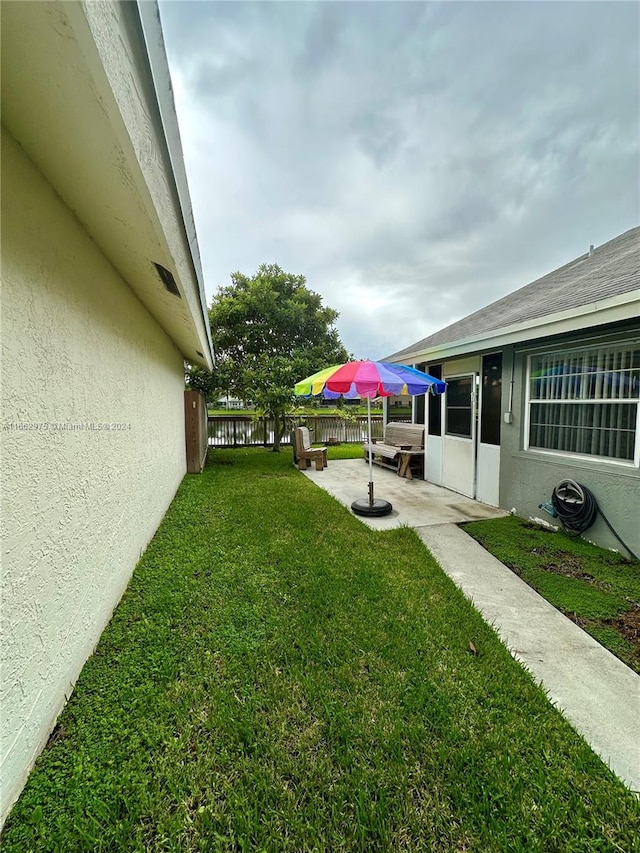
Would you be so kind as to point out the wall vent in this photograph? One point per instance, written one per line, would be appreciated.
(168, 280)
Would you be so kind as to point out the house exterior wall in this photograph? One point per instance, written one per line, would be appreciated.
(527, 478)
(459, 366)
(79, 505)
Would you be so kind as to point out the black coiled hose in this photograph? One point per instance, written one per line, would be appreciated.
(575, 505)
(577, 509)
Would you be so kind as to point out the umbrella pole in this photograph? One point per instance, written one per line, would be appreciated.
(370, 454)
(371, 506)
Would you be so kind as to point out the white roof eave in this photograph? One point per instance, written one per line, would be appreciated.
(624, 306)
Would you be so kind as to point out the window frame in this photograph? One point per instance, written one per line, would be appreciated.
(567, 454)
(446, 433)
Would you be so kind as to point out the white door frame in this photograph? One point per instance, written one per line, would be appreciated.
(459, 452)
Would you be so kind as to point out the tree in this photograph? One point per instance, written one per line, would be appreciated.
(269, 331)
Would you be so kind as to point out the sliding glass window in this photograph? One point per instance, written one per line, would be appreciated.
(586, 402)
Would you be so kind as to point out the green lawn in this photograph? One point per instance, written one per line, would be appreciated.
(598, 589)
(279, 677)
(245, 413)
(345, 451)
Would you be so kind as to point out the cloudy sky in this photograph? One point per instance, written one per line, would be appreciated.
(415, 161)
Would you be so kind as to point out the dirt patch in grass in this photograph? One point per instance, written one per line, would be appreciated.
(581, 622)
(56, 736)
(628, 624)
(570, 567)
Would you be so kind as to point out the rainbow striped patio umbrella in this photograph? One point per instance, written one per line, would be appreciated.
(369, 379)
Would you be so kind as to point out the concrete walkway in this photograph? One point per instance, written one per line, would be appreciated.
(596, 692)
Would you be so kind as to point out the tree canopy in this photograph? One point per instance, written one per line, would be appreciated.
(269, 331)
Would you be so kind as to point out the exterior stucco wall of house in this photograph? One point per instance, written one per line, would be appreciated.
(527, 478)
(79, 502)
(459, 366)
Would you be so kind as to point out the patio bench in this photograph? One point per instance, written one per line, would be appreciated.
(402, 447)
(304, 453)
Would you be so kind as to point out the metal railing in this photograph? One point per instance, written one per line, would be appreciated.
(248, 431)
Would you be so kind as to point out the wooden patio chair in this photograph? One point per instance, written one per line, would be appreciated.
(305, 453)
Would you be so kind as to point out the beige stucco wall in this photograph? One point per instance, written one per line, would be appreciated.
(459, 366)
(78, 505)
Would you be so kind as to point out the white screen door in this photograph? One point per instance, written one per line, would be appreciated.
(459, 456)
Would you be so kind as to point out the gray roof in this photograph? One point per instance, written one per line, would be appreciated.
(612, 269)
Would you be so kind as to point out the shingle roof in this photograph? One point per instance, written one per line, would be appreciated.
(612, 269)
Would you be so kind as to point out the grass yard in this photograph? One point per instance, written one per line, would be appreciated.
(345, 451)
(597, 589)
(279, 677)
(244, 413)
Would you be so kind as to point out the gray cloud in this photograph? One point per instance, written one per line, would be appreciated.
(415, 161)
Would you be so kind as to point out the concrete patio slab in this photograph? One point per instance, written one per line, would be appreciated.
(415, 502)
(595, 691)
